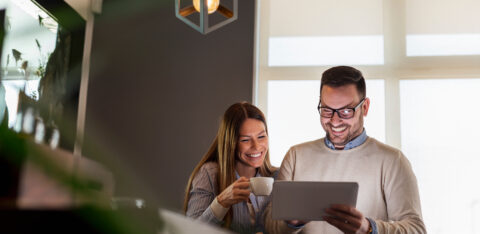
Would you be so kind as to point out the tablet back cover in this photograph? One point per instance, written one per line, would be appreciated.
(307, 200)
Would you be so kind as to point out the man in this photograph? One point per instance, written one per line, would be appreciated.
(388, 200)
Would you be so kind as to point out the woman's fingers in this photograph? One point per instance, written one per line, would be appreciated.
(241, 185)
(241, 192)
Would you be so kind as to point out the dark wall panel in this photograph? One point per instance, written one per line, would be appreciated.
(157, 90)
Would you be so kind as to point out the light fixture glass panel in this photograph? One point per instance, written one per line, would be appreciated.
(325, 32)
(212, 5)
(293, 117)
(442, 27)
(439, 134)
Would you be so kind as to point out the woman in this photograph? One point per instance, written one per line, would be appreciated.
(218, 189)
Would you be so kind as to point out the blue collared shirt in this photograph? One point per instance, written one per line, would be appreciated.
(357, 141)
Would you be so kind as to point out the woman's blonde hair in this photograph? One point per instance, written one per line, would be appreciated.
(224, 147)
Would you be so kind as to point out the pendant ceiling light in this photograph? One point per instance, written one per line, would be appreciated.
(204, 8)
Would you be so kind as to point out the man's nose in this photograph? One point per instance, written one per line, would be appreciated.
(335, 117)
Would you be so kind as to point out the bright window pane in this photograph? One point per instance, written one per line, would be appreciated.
(325, 32)
(313, 51)
(442, 27)
(12, 89)
(440, 136)
(293, 117)
(441, 45)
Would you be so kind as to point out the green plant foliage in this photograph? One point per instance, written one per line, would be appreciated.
(40, 20)
(17, 55)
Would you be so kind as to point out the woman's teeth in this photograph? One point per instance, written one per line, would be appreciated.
(254, 155)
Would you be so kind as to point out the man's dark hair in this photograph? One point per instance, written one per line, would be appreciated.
(344, 75)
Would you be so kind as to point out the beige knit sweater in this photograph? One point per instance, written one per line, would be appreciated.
(388, 191)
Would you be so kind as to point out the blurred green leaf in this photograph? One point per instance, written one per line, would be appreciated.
(17, 55)
(40, 20)
(38, 44)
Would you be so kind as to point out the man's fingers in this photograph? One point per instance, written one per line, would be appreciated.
(296, 222)
(340, 224)
(344, 217)
(347, 209)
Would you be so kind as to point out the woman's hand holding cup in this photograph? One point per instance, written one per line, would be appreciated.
(237, 192)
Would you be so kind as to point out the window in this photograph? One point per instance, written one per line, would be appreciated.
(40, 68)
(27, 47)
(420, 58)
(293, 44)
(311, 51)
(436, 28)
(439, 137)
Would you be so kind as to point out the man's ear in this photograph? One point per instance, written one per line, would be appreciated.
(365, 106)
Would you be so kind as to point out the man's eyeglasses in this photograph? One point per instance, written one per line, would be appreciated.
(344, 113)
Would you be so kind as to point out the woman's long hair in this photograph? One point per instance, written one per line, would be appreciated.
(224, 147)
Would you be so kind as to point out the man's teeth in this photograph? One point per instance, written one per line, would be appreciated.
(254, 155)
(338, 129)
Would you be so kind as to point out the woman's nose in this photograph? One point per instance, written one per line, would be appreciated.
(254, 144)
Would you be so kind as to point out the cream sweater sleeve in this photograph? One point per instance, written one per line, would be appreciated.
(287, 170)
(402, 199)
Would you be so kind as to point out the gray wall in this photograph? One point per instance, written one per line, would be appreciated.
(157, 91)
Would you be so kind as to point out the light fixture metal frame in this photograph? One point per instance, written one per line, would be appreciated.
(203, 26)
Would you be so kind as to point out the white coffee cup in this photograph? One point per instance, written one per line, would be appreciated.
(261, 186)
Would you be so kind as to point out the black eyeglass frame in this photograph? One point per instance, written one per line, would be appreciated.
(319, 107)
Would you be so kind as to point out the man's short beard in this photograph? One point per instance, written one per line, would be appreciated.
(338, 144)
(349, 138)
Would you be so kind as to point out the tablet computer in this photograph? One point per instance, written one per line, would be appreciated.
(307, 200)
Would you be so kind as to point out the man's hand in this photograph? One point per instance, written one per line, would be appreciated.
(296, 222)
(347, 219)
(237, 192)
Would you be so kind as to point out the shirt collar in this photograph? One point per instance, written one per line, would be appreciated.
(357, 141)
